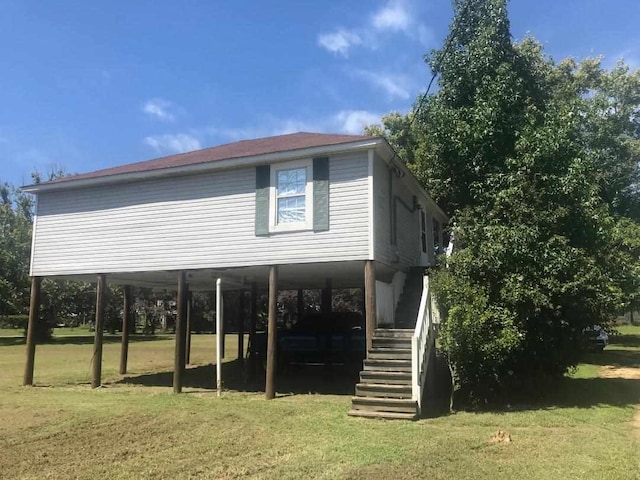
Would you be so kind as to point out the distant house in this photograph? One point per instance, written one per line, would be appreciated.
(320, 210)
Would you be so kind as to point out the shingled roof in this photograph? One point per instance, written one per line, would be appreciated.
(244, 148)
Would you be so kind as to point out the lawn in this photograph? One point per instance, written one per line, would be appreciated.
(137, 428)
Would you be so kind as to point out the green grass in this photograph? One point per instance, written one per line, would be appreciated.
(138, 429)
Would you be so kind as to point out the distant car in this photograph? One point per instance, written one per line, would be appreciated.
(597, 337)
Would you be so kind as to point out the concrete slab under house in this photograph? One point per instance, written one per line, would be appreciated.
(291, 212)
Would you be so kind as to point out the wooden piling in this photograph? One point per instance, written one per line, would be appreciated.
(34, 320)
(270, 388)
(300, 304)
(126, 327)
(326, 298)
(187, 352)
(253, 320)
(96, 379)
(241, 326)
(370, 300)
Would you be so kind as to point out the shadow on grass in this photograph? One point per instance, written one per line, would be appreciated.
(629, 341)
(292, 380)
(79, 339)
(615, 357)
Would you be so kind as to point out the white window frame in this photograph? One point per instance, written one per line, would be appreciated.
(274, 226)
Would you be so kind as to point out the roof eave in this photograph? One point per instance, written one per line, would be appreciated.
(391, 155)
(207, 166)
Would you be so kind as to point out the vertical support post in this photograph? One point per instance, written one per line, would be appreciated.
(300, 303)
(222, 329)
(325, 301)
(370, 300)
(96, 380)
(181, 330)
(187, 353)
(270, 388)
(126, 327)
(253, 320)
(34, 319)
(241, 326)
(219, 338)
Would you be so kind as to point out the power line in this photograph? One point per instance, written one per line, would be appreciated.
(445, 51)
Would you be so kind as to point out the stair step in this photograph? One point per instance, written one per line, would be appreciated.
(390, 353)
(391, 342)
(389, 378)
(387, 365)
(381, 390)
(392, 332)
(382, 415)
(384, 404)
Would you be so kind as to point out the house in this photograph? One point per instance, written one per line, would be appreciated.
(297, 211)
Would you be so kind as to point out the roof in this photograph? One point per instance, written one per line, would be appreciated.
(244, 148)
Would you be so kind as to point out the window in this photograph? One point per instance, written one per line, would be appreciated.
(291, 196)
(423, 231)
(291, 186)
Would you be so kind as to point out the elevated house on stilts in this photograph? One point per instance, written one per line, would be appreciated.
(298, 211)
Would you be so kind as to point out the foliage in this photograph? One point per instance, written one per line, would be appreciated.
(537, 162)
(15, 245)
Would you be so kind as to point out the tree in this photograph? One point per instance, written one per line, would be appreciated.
(537, 163)
(15, 245)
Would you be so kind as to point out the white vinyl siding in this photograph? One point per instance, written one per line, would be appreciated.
(190, 222)
(382, 211)
(408, 241)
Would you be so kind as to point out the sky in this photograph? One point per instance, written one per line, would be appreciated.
(86, 85)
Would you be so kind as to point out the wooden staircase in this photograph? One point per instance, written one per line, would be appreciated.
(384, 390)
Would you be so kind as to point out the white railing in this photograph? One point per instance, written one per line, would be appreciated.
(422, 342)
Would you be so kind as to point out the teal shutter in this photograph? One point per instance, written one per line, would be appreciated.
(263, 179)
(321, 194)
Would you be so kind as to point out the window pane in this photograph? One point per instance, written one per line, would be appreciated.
(291, 209)
(292, 182)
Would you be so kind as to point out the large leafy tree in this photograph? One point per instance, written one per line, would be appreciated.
(15, 245)
(537, 163)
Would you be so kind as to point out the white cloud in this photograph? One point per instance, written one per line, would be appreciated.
(344, 121)
(395, 86)
(354, 121)
(340, 41)
(393, 16)
(425, 35)
(159, 109)
(173, 143)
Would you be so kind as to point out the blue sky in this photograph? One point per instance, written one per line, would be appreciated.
(91, 84)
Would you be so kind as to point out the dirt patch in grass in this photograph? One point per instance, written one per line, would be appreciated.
(628, 373)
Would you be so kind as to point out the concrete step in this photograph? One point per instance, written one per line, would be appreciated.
(381, 390)
(382, 415)
(389, 378)
(390, 354)
(391, 342)
(384, 405)
(387, 365)
(392, 333)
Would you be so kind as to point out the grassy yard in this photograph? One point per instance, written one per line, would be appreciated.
(135, 427)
